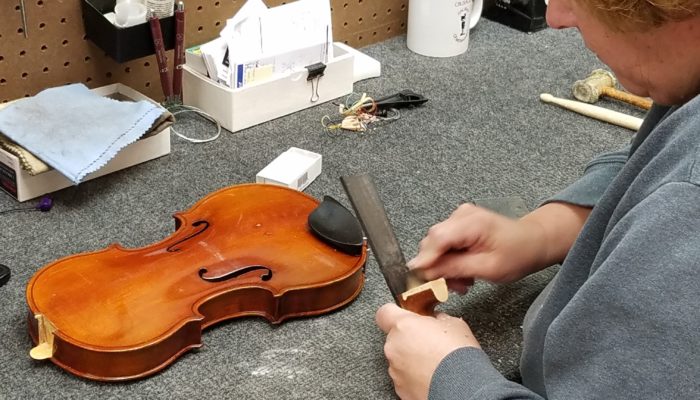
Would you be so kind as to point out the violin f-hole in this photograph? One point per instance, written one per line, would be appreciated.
(236, 273)
(173, 247)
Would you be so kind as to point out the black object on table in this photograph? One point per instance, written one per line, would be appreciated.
(4, 274)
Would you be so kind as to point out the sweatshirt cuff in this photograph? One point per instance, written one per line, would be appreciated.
(462, 373)
(590, 187)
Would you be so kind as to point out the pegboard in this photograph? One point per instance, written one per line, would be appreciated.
(57, 52)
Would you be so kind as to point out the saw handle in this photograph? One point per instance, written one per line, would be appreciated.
(423, 299)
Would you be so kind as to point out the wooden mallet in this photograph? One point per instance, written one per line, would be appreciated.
(603, 83)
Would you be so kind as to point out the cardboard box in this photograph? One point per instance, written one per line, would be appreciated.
(19, 184)
(258, 102)
(295, 169)
(122, 44)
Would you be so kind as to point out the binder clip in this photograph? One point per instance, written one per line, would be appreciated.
(315, 73)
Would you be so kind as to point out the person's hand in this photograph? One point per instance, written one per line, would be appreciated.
(477, 243)
(416, 344)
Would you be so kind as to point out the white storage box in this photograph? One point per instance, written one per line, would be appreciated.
(263, 101)
(23, 186)
(295, 168)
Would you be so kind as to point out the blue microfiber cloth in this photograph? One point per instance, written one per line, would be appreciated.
(75, 130)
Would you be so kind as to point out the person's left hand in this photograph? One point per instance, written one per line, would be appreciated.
(416, 344)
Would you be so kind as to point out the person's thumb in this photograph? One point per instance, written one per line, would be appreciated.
(388, 315)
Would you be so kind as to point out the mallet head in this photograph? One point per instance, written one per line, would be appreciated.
(588, 90)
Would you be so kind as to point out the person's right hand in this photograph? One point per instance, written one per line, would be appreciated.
(477, 243)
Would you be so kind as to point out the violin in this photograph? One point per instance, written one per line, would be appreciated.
(248, 250)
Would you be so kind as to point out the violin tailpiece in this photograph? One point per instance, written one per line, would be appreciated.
(44, 348)
(423, 299)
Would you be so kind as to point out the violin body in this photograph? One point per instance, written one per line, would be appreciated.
(119, 314)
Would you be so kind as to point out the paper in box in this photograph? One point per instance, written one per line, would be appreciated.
(272, 98)
(22, 186)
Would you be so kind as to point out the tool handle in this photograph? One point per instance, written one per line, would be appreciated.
(641, 102)
(599, 113)
(179, 51)
(423, 299)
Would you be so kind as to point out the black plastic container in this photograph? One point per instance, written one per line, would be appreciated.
(122, 44)
(524, 15)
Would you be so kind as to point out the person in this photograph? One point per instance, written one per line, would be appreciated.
(621, 317)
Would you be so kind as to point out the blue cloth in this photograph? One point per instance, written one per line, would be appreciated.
(75, 130)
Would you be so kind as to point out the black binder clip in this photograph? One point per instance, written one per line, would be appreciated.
(315, 73)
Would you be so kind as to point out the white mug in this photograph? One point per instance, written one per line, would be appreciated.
(440, 28)
(129, 13)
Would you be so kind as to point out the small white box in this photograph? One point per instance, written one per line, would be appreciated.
(295, 168)
(262, 101)
(23, 186)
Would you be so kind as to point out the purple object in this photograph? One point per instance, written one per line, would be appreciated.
(45, 204)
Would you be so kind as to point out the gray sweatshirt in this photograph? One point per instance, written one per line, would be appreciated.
(622, 319)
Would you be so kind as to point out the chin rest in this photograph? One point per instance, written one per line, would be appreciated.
(336, 226)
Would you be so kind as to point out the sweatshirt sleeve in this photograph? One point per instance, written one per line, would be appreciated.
(467, 373)
(597, 175)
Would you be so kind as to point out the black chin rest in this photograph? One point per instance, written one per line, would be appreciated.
(336, 226)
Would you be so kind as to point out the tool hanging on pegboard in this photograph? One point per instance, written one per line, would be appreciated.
(23, 12)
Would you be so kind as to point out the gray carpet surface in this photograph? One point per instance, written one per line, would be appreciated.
(483, 134)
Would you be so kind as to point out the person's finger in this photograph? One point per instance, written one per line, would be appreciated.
(387, 316)
(442, 239)
(460, 265)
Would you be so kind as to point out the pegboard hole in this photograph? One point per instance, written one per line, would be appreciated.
(88, 80)
(40, 3)
(218, 3)
(87, 59)
(148, 84)
(25, 75)
(2, 58)
(45, 70)
(63, 20)
(20, 31)
(44, 47)
(3, 81)
(374, 16)
(199, 8)
(403, 7)
(359, 20)
(146, 64)
(200, 28)
(127, 70)
(22, 53)
(66, 64)
(218, 23)
(42, 25)
(65, 42)
(345, 5)
(388, 10)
